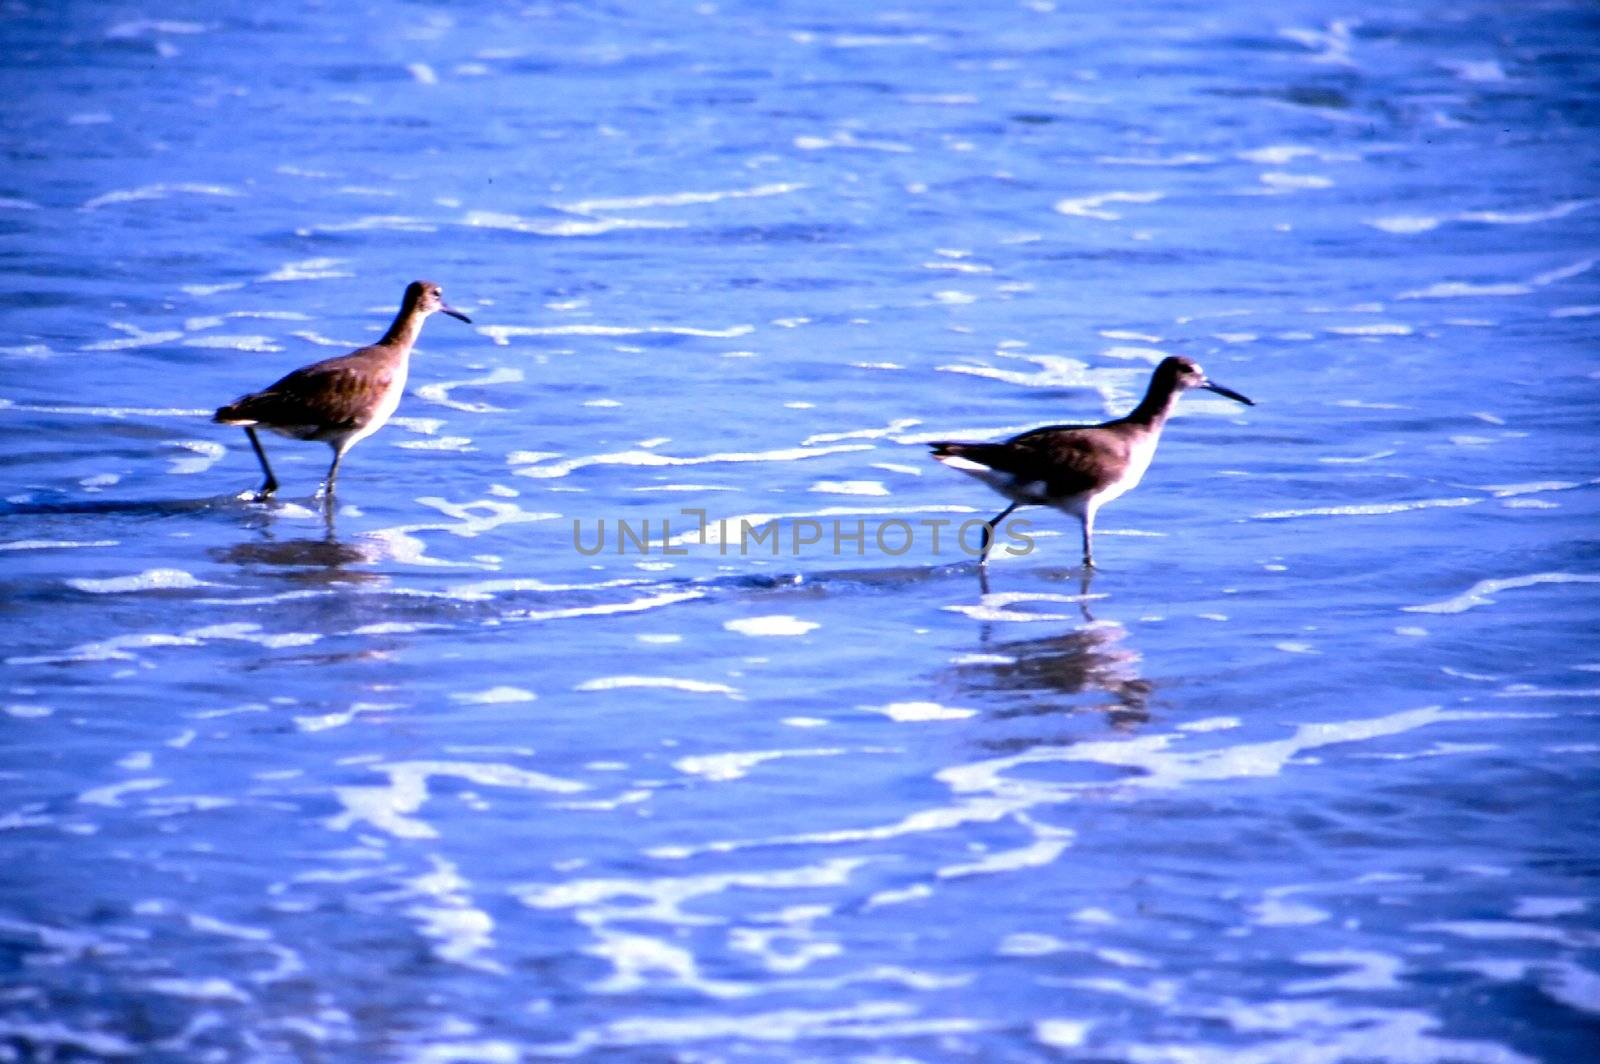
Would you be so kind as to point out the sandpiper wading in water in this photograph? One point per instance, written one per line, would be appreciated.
(340, 401)
(1079, 468)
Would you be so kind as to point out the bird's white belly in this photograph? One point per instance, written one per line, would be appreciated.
(1139, 457)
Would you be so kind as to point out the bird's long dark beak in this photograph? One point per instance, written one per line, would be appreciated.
(1213, 386)
(454, 313)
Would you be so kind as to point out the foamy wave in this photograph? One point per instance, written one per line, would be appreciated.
(1459, 289)
(1482, 593)
(566, 227)
(1366, 509)
(1094, 206)
(849, 487)
(732, 766)
(57, 544)
(844, 138)
(679, 199)
(308, 270)
(389, 808)
(778, 624)
(470, 520)
(996, 607)
(1049, 843)
(1381, 328)
(912, 712)
(1163, 763)
(256, 343)
(638, 605)
(149, 580)
(440, 392)
(388, 223)
(892, 429)
(494, 696)
(503, 334)
(552, 470)
(156, 192)
(670, 683)
(135, 337)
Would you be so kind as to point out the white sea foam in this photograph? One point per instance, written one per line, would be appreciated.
(679, 199)
(736, 765)
(870, 1022)
(1048, 844)
(308, 270)
(892, 430)
(564, 227)
(548, 470)
(439, 392)
(1381, 328)
(1062, 1034)
(1163, 761)
(1365, 509)
(112, 794)
(387, 223)
(1405, 224)
(211, 988)
(470, 520)
(1466, 289)
(671, 683)
(908, 712)
(134, 337)
(56, 544)
(1095, 206)
(1482, 593)
(252, 633)
(849, 487)
(495, 696)
(255, 343)
(844, 138)
(156, 192)
(637, 605)
(1280, 181)
(997, 607)
(503, 334)
(149, 580)
(389, 808)
(779, 624)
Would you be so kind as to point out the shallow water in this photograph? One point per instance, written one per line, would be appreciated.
(1305, 772)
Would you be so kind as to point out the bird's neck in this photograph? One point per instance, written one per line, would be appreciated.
(1155, 406)
(404, 330)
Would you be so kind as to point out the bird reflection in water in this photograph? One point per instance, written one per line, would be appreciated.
(312, 560)
(1091, 658)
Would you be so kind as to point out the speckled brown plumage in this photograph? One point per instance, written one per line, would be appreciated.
(338, 401)
(1079, 468)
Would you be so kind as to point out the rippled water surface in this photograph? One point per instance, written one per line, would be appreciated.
(1306, 772)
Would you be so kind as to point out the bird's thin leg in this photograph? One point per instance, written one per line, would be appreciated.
(333, 473)
(269, 485)
(988, 533)
(1088, 538)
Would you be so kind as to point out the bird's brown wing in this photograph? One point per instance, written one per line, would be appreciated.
(1075, 460)
(1065, 460)
(333, 394)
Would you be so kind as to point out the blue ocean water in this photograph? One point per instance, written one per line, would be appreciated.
(1305, 772)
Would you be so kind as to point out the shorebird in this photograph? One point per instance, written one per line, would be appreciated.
(1079, 468)
(340, 401)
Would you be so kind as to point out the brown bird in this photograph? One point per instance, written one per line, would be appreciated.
(340, 401)
(1079, 468)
